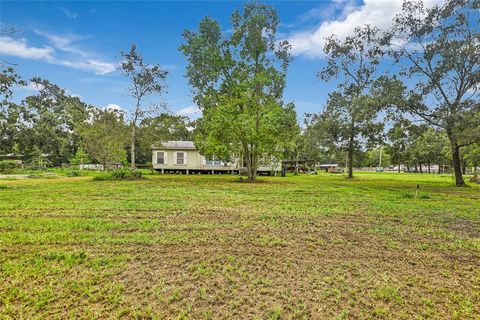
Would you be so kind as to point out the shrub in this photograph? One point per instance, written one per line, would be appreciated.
(48, 175)
(103, 177)
(73, 173)
(7, 166)
(121, 174)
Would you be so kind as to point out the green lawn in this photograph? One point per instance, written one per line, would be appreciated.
(203, 247)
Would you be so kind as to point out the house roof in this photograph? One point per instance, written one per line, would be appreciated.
(182, 145)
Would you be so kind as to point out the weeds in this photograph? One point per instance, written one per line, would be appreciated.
(121, 174)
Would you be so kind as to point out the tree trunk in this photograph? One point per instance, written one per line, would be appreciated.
(251, 165)
(399, 166)
(457, 165)
(428, 170)
(421, 170)
(416, 168)
(132, 148)
(350, 162)
(350, 156)
(252, 174)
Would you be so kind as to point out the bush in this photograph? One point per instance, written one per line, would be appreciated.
(121, 174)
(126, 174)
(73, 173)
(7, 166)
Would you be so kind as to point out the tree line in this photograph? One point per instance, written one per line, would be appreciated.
(61, 128)
(435, 52)
(411, 89)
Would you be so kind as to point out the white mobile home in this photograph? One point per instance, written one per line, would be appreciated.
(183, 157)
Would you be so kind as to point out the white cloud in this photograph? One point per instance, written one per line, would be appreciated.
(191, 111)
(379, 13)
(113, 106)
(65, 43)
(70, 14)
(20, 48)
(64, 51)
(32, 86)
(98, 67)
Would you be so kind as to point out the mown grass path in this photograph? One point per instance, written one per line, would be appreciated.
(208, 247)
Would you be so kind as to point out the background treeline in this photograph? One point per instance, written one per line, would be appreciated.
(406, 146)
(62, 129)
(410, 90)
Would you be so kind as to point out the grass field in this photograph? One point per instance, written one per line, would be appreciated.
(209, 247)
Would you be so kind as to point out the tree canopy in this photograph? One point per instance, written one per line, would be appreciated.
(238, 82)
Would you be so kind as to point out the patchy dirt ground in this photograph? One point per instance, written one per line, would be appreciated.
(207, 247)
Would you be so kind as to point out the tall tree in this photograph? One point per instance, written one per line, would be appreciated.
(105, 137)
(398, 136)
(377, 157)
(428, 148)
(439, 48)
(9, 111)
(146, 81)
(350, 111)
(51, 118)
(317, 140)
(238, 83)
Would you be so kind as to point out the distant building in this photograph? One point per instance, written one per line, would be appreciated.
(331, 168)
(183, 157)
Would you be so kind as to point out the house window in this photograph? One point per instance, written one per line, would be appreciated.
(213, 162)
(180, 158)
(161, 157)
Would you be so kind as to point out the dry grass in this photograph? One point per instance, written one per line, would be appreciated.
(205, 247)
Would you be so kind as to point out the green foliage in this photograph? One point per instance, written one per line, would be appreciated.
(372, 158)
(81, 157)
(471, 155)
(9, 111)
(73, 173)
(7, 166)
(105, 137)
(52, 120)
(47, 121)
(438, 47)
(146, 81)
(430, 147)
(351, 115)
(238, 83)
(38, 160)
(121, 174)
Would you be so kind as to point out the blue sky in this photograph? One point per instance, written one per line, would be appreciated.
(76, 44)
